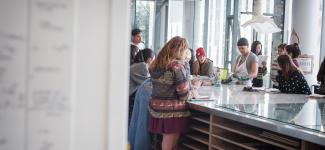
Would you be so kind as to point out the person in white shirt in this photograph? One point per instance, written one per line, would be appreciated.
(246, 62)
(136, 44)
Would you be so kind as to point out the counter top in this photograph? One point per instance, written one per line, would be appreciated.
(294, 115)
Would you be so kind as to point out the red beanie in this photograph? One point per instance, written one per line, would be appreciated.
(200, 52)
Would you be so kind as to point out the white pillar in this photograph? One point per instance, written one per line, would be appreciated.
(118, 73)
(306, 22)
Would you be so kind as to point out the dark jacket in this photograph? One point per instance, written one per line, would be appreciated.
(296, 83)
(133, 51)
(321, 73)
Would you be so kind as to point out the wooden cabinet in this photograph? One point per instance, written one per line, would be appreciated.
(210, 132)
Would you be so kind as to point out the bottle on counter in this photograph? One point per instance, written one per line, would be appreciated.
(216, 79)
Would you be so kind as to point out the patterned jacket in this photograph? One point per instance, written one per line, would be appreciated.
(170, 91)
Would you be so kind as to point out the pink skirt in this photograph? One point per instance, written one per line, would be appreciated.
(168, 125)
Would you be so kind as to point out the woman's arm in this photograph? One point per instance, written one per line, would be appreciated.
(235, 66)
(264, 68)
(182, 83)
(254, 70)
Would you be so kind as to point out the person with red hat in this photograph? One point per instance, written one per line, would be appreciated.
(203, 66)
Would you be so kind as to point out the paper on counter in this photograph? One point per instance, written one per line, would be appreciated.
(261, 58)
(272, 90)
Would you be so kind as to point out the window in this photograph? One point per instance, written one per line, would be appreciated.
(175, 18)
(144, 20)
(216, 31)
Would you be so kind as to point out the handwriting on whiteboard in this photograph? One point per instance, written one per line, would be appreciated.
(48, 25)
(61, 47)
(11, 97)
(54, 102)
(50, 6)
(6, 52)
(11, 36)
(46, 145)
(47, 69)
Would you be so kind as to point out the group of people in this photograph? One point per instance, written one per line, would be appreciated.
(285, 72)
(164, 82)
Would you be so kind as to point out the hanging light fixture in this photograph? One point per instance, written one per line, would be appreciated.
(260, 23)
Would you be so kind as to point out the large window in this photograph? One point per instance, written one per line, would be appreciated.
(144, 20)
(246, 10)
(249, 33)
(186, 18)
(175, 18)
(216, 31)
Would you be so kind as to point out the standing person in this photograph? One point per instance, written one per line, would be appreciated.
(203, 66)
(139, 72)
(257, 50)
(168, 106)
(191, 61)
(321, 72)
(294, 52)
(290, 78)
(321, 77)
(275, 66)
(136, 44)
(246, 62)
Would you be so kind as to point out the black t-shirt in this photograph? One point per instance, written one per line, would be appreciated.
(133, 51)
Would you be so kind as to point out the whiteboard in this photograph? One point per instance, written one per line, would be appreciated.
(36, 54)
(60, 78)
(13, 52)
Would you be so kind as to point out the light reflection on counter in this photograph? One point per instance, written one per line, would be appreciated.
(294, 109)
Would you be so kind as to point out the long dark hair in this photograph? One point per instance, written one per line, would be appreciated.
(254, 45)
(144, 55)
(294, 50)
(286, 65)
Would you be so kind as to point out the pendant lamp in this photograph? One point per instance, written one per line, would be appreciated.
(260, 23)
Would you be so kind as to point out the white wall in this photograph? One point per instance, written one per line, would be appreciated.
(306, 22)
(118, 73)
(91, 72)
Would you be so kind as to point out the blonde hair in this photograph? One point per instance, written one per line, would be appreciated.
(173, 49)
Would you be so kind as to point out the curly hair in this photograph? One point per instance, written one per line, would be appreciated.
(173, 49)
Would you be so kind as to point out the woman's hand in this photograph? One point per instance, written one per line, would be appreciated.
(194, 93)
(196, 83)
(264, 63)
